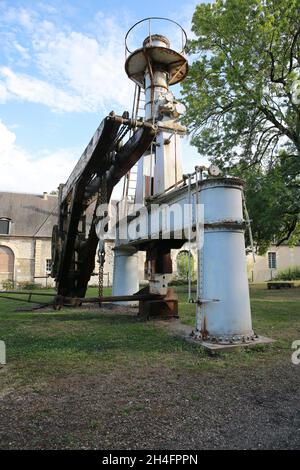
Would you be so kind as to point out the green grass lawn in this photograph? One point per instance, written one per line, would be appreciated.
(42, 345)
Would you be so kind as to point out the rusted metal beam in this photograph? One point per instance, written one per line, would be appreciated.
(60, 300)
(128, 156)
(116, 298)
(7, 297)
(93, 155)
(123, 161)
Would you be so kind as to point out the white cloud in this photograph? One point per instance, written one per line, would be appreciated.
(23, 172)
(22, 50)
(67, 70)
(28, 88)
(7, 138)
(3, 93)
(71, 70)
(92, 70)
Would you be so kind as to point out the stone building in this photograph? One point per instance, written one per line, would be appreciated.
(277, 258)
(26, 222)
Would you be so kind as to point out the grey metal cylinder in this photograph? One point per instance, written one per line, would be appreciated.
(156, 84)
(225, 315)
(126, 274)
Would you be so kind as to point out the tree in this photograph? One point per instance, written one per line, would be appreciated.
(273, 203)
(243, 99)
(183, 264)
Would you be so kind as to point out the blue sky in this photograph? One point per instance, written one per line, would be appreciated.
(61, 72)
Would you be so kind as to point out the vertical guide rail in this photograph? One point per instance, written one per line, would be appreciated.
(189, 235)
(150, 30)
(200, 280)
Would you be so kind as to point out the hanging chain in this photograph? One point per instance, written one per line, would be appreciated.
(101, 259)
(101, 199)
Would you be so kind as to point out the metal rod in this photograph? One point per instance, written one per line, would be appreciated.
(24, 292)
(117, 298)
(154, 18)
(62, 299)
(132, 122)
(248, 222)
(24, 300)
(199, 259)
(189, 235)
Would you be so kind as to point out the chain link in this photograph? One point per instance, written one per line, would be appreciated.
(101, 199)
(100, 275)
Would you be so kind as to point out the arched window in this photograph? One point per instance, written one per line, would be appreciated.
(7, 261)
(4, 226)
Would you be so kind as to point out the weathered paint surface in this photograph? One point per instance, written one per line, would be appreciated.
(222, 272)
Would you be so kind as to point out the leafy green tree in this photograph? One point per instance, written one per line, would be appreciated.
(273, 203)
(183, 264)
(243, 101)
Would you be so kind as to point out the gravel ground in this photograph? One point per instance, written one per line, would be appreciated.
(158, 409)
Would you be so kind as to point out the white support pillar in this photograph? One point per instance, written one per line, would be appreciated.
(225, 315)
(144, 177)
(168, 161)
(126, 273)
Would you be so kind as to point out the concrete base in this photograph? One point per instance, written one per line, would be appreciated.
(185, 332)
(215, 347)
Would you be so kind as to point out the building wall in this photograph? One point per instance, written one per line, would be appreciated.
(30, 259)
(30, 256)
(42, 253)
(23, 250)
(285, 257)
(7, 263)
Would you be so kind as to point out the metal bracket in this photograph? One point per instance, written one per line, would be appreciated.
(200, 301)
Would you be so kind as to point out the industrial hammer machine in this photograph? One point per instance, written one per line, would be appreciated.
(205, 208)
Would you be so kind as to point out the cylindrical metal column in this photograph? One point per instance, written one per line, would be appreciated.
(126, 273)
(224, 301)
(156, 77)
(153, 89)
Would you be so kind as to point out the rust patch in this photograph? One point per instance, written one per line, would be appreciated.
(204, 332)
(167, 307)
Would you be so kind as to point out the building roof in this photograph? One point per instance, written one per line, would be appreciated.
(31, 215)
